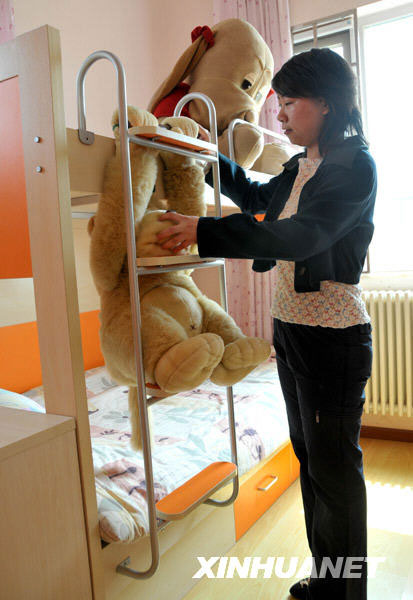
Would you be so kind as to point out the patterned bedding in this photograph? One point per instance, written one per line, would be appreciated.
(190, 431)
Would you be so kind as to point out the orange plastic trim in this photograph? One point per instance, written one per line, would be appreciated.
(168, 140)
(187, 495)
(14, 226)
(20, 368)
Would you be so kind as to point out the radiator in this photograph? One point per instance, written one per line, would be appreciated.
(389, 391)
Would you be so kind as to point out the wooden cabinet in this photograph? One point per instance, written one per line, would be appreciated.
(43, 549)
(262, 486)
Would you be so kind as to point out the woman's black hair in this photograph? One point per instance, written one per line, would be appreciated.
(322, 73)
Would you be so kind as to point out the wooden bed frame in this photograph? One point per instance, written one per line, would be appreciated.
(56, 167)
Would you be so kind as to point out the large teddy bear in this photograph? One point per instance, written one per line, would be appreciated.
(186, 337)
(232, 64)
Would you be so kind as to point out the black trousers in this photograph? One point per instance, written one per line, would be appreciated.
(323, 372)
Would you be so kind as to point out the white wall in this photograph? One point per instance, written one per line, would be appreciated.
(302, 11)
(147, 35)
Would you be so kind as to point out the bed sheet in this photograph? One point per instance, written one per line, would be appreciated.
(190, 431)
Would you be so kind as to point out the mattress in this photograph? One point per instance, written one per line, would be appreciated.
(190, 431)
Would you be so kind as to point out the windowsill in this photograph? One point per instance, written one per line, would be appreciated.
(387, 280)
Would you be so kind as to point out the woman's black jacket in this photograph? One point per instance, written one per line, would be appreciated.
(329, 235)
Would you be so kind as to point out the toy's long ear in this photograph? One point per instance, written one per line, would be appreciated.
(91, 225)
(186, 63)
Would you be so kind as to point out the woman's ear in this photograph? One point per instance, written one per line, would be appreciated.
(325, 109)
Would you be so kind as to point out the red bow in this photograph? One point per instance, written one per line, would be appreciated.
(206, 33)
(270, 93)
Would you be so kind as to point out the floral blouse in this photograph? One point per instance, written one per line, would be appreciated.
(336, 304)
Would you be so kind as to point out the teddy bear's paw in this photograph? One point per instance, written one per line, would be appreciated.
(183, 125)
(137, 117)
(222, 376)
(188, 363)
(245, 352)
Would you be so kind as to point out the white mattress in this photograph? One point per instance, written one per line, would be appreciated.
(190, 431)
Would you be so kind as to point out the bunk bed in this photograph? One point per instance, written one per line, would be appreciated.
(52, 178)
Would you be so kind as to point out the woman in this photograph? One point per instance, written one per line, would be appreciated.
(316, 231)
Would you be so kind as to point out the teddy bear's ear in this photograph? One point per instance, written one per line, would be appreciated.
(186, 63)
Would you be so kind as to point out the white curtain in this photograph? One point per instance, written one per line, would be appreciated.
(250, 293)
(6, 21)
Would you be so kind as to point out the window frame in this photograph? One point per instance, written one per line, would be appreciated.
(373, 16)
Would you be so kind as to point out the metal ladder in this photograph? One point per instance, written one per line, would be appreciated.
(199, 488)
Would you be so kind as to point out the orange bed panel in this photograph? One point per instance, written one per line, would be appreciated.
(14, 228)
(259, 217)
(89, 326)
(20, 368)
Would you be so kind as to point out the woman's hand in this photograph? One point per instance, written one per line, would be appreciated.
(183, 233)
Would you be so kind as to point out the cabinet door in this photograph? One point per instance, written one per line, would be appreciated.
(43, 554)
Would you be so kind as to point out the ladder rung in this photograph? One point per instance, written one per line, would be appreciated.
(165, 136)
(193, 492)
(160, 261)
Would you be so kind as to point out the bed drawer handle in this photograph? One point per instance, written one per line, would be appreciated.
(267, 487)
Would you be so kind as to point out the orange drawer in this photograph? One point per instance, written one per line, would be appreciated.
(252, 502)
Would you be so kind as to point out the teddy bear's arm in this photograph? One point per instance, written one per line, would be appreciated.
(108, 231)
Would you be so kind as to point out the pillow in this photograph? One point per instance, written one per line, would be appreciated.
(14, 400)
(97, 381)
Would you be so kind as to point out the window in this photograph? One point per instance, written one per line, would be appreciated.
(386, 50)
(335, 34)
(377, 41)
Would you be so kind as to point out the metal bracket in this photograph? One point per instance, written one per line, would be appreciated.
(86, 137)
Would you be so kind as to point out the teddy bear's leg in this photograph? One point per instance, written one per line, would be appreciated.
(241, 355)
(240, 358)
(173, 358)
(187, 364)
(183, 179)
(185, 189)
(107, 230)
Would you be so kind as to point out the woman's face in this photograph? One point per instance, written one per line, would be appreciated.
(302, 119)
